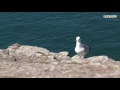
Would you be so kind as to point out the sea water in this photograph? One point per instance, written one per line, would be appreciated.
(57, 31)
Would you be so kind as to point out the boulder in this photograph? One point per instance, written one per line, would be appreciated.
(14, 47)
(30, 50)
(5, 51)
(64, 53)
(60, 57)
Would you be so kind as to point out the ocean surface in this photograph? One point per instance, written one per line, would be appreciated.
(57, 31)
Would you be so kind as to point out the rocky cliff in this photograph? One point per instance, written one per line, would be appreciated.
(22, 61)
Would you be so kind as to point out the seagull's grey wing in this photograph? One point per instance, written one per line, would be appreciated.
(87, 48)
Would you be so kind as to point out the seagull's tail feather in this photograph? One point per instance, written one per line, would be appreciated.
(89, 46)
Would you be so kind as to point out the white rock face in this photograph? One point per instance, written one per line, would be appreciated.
(30, 50)
(64, 53)
(23, 61)
(1, 51)
(76, 57)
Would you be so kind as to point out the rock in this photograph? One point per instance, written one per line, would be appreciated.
(5, 51)
(51, 61)
(59, 57)
(65, 53)
(52, 54)
(1, 51)
(51, 57)
(65, 58)
(4, 56)
(61, 70)
(12, 53)
(38, 59)
(30, 50)
(54, 63)
(8, 58)
(14, 47)
(38, 54)
(76, 57)
(36, 62)
(98, 58)
(13, 58)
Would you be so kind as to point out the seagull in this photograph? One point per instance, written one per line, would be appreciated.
(81, 49)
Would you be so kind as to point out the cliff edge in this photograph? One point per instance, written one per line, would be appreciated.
(23, 61)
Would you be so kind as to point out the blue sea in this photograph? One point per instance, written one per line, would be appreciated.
(57, 31)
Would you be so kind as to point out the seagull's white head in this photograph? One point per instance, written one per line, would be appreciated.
(77, 38)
